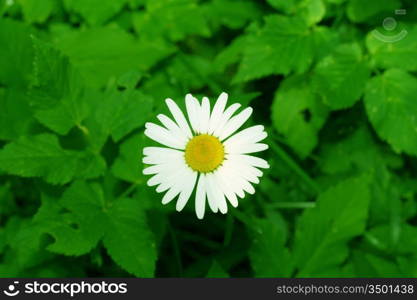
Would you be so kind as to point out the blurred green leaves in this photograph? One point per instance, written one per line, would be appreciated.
(391, 106)
(110, 50)
(335, 89)
(323, 232)
(282, 45)
(340, 78)
(400, 54)
(268, 251)
(42, 156)
(57, 90)
(95, 12)
(89, 217)
(359, 11)
(173, 19)
(16, 53)
(298, 114)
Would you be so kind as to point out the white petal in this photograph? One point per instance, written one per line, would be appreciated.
(164, 187)
(187, 189)
(217, 112)
(156, 160)
(199, 109)
(163, 136)
(242, 183)
(170, 195)
(200, 198)
(234, 180)
(170, 173)
(247, 187)
(217, 193)
(172, 127)
(193, 111)
(211, 196)
(222, 180)
(162, 155)
(245, 171)
(204, 115)
(161, 151)
(252, 160)
(225, 118)
(179, 117)
(156, 179)
(249, 135)
(167, 184)
(234, 123)
(176, 181)
(172, 177)
(243, 149)
(154, 169)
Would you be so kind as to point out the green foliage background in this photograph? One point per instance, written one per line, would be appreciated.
(78, 80)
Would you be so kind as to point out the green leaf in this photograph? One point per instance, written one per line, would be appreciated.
(358, 151)
(173, 19)
(121, 112)
(370, 265)
(16, 53)
(86, 214)
(77, 230)
(359, 11)
(281, 46)
(268, 255)
(7, 204)
(129, 80)
(394, 51)
(25, 241)
(95, 12)
(57, 92)
(391, 108)
(408, 266)
(190, 71)
(312, 11)
(36, 11)
(128, 239)
(42, 156)
(285, 6)
(387, 203)
(230, 54)
(128, 165)
(322, 232)
(341, 77)
(393, 240)
(233, 14)
(15, 114)
(216, 271)
(123, 53)
(298, 114)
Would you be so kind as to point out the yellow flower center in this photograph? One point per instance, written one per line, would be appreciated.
(204, 153)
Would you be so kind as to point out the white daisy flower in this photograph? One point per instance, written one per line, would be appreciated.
(208, 155)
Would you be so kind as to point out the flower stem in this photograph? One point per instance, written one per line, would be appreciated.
(295, 205)
(128, 191)
(294, 166)
(176, 249)
(241, 216)
(229, 230)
